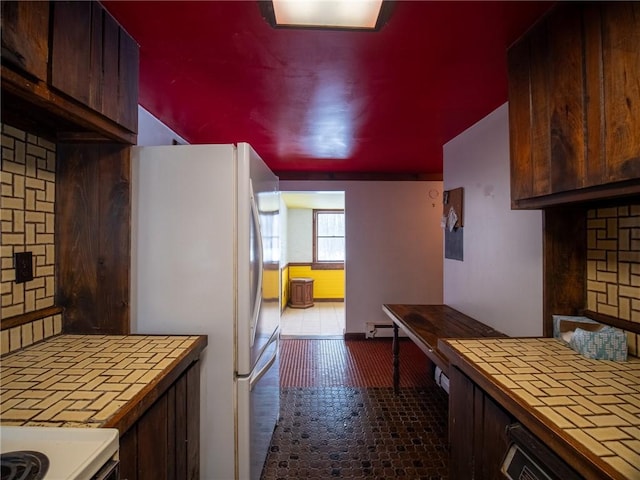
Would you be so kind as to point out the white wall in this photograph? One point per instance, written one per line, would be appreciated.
(500, 280)
(284, 237)
(152, 132)
(393, 245)
(300, 235)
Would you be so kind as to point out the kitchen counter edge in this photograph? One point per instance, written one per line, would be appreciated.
(129, 413)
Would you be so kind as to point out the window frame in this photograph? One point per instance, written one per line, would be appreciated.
(325, 265)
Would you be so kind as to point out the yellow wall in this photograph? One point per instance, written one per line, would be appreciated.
(327, 284)
(284, 298)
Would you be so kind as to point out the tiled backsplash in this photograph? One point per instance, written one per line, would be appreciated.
(28, 219)
(613, 264)
(28, 225)
(15, 338)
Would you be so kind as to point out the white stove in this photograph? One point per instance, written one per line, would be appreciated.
(72, 453)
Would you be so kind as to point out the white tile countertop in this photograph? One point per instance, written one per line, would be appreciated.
(82, 380)
(592, 404)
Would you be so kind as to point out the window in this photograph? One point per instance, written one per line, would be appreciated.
(328, 238)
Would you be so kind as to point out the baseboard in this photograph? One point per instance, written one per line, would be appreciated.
(354, 336)
(363, 336)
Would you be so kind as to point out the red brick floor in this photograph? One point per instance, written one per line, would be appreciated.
(352, 363)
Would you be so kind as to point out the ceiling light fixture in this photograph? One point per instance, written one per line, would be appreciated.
(369, 15)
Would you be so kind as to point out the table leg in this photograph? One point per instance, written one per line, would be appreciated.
(396, 360)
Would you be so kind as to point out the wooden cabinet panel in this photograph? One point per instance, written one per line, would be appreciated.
(494, 437)
(25, 36)
(128, 81)
(477, 430)
(164, 444)
(120, 75)
(180, 427)
(621, 64)
(72, 49)
(564, 263)
(129, 455)
(192, 412)
(596, 159)
(94, 61)
(520, 121)
(85, 64)
(109, 102)
(573, 83)
(461, 393)
(540, 132)
(153, 454)
(565, 98)
(93, 229)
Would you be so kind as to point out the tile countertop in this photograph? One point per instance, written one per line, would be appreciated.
(593, 405)
(83, 380)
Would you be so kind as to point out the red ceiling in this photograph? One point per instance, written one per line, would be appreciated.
(326, 101)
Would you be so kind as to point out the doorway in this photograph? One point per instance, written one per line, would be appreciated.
(313, 258)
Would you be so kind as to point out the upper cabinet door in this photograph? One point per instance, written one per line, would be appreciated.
(94, 61)
(120, 75)
(621, 83)
(563, 121)
(128, 81)
(76, 51)
(25, 36)
(520, 122)
(574, 105)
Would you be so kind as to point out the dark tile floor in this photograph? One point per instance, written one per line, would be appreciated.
(359, 432)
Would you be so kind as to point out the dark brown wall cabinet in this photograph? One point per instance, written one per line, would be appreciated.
(25, 39)
(477, 430)
(94, 61)
(72, 66)
(574, 105)
(164, 444)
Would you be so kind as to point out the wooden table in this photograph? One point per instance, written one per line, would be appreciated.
(425, 325)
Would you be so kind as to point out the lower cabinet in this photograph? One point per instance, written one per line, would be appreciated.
(165, 442)
(477, 430)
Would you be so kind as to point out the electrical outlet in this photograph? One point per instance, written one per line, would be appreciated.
(24, 267)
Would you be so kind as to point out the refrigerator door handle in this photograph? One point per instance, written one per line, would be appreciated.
(256, 378)
(257, 305)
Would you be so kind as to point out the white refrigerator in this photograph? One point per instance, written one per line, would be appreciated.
(205, 260)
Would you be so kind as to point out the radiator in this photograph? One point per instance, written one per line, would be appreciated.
(380, 330)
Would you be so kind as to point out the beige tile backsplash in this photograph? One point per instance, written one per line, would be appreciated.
(613, 264)
(28, 219)
(28, 187)
(15, 338)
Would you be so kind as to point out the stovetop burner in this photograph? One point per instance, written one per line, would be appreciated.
(23, 465)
